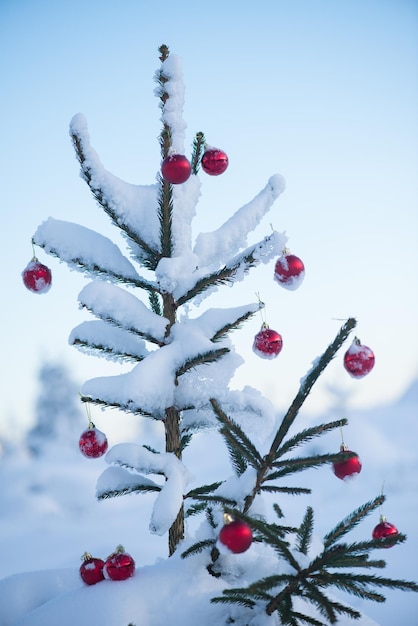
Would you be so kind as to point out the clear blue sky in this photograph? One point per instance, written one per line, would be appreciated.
(323, 92)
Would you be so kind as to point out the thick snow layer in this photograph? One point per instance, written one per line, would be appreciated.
(153, 385)
(232, 235)
(133, 206)
(81, 247)
(171, 68)
(170, 497)
(107, 341)
(109, 302)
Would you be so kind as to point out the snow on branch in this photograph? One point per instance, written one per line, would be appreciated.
(170, 498)
(232, 235)
(86, 250)
(122, 309)
(108, 341)
(215, 323)
(171, 85)
(153, 384)
(202, 280)
(133, 208)
(117, 481)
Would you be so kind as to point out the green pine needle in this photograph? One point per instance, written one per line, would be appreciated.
(304, 535)
(197, 548)
(352, 520)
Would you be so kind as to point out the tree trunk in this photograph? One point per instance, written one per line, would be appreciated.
(172, 433)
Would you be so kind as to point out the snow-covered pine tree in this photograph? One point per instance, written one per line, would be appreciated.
(182, 367)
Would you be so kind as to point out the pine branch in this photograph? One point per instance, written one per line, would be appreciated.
(234, 434)
(289, 490)
(162, 79)
(185, 440)
(271, 534)
(128, 407)
(198, 547)
(115, 493)
(155, 304)
(227, 274)
(94, 270)
(205, 494)
(291, 466)
(304, 534)
(106, 351)
(238, 460)
(165, 195)
(165, 215)
(304, 390)
(352, 520)
(325, 605)
(235, 325)
(278, 591)
(306, 435)
(195, 509)
(305, 619)
(309, 381)
(151, 256)
(114, 322)
(278, 510)
(203, 490)
(198, 148)
(202, 359)
(232, 599)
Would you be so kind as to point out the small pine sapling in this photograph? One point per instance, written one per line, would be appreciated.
(193, 360)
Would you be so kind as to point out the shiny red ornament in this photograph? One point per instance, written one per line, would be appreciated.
(358, 360)
(93, 443)
(119, 565)
(214, 161)
(348, 466)
(91, 569)
(237, 536)
(37, 277)
(176, 169)
(383, 530)
(289, 271)
(267, 343)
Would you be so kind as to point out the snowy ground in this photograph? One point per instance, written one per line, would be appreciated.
(49, 518)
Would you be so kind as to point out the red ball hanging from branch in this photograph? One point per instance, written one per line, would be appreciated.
(176, 169)
(267, 343)
(348, 466)
(119, 565)
(359, 359)
(289, 271)
(37, 277)
(236, 535)
(214, 161)
(383, 530)
(93, 443)
(91, 569)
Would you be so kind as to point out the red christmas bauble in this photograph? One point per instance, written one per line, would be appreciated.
(237, 536)
(358, 360)
(176, 169)
(385, 529)
(93, 443)
(214, 161)
(289, 271)
(37, 277)
(119, 565)
(91, 569)
(347, 467)
(267, 343)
